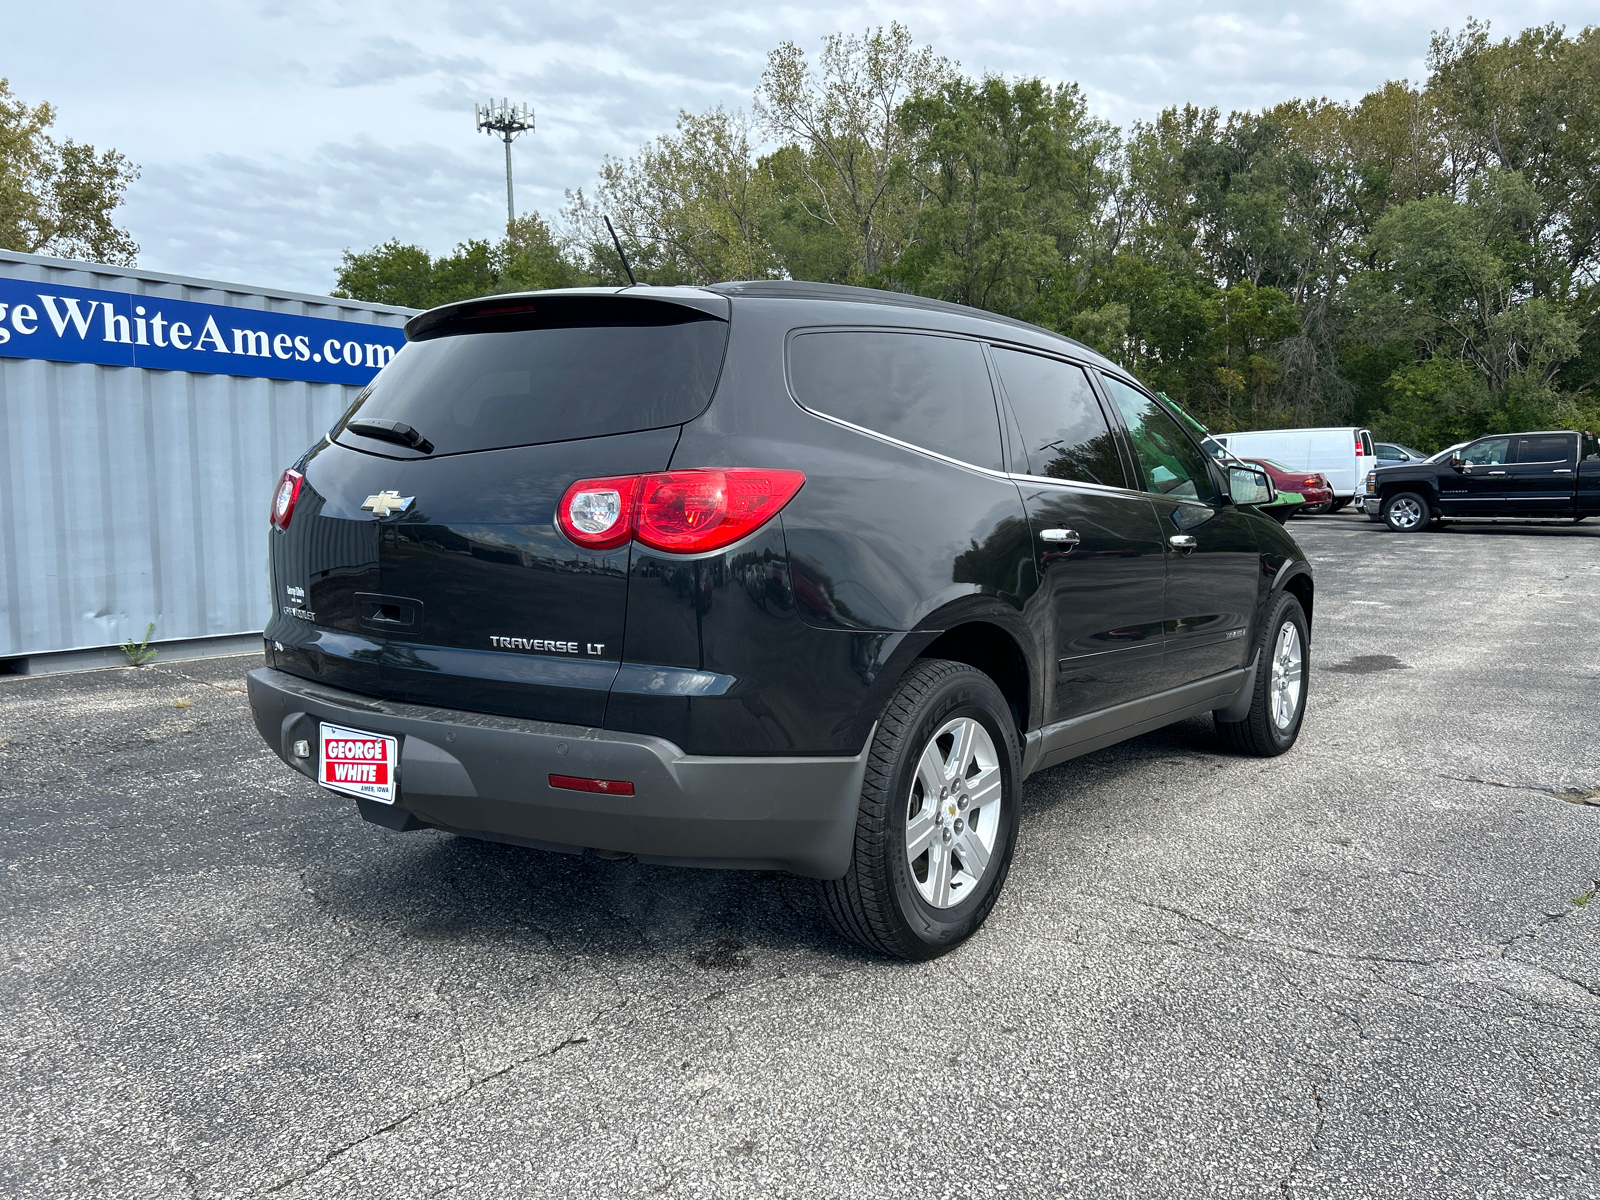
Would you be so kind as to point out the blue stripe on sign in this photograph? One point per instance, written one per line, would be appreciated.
(119, 329)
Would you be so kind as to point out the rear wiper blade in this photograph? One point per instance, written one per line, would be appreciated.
(391, 431)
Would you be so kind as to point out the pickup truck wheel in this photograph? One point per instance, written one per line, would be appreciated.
(1278, 704)
(938, 817)
(1406, 512)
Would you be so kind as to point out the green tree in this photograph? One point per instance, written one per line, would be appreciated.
(693, 206)
(1456, 280)
(1015, 181)
(852, 172)
(527, 258)
(59, 197)
(391, 273)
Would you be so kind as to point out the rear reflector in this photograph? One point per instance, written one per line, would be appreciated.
(611, 787)
(285, 498)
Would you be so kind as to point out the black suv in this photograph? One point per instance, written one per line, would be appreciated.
(764, 575)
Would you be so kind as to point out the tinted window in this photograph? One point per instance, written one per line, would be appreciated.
(1557, 448)
(1366, 443)
(651, 365)
(1388, 453)
(1490, 452)
(1064, 433)
(1171, 462)
(1591, 446)
(929, 391)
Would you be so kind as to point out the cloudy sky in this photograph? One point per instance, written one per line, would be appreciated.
(271, 135)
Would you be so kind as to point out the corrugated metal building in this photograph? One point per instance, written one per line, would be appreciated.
(132, 494)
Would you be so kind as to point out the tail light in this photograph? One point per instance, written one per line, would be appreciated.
(680, 512)
(1310, 481)
(1358, 447)
(285, 498)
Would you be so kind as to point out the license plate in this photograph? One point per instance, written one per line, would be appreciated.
(358, 763)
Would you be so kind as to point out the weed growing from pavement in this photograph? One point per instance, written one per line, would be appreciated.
(140, 653)
(1583, 898)
(183, 702)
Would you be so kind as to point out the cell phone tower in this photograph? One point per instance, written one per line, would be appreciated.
(509, 122)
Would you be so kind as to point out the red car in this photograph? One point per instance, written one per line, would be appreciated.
(1312, 485)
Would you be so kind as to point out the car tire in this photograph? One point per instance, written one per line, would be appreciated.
(1312, 510)
(1406, 512)
(920, 906)
(1278, 699)
(1338, 505)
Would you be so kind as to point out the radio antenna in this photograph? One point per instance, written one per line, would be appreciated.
(617, 242)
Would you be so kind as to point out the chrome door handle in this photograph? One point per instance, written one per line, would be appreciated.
(1562, 471)
(1067, 537)
(1182, 541)
(1497, 472)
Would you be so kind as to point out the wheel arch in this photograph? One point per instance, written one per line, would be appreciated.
(1303, 588)
(996, 652)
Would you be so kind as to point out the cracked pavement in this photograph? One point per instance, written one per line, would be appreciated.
(1367, 968)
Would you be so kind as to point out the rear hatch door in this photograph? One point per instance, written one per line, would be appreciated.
(442, 577)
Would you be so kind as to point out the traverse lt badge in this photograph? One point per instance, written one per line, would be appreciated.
(385, 503)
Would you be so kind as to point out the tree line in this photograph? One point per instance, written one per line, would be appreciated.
(1425, 260)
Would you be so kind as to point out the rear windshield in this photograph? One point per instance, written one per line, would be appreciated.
(585, 372)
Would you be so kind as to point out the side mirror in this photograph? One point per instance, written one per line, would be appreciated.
(1456, 461)
(1246, 485)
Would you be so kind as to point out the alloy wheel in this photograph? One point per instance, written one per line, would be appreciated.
(1406, 513)
(1288, 664)
(953, 812)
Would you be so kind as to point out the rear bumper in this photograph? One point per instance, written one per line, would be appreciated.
(488, 777)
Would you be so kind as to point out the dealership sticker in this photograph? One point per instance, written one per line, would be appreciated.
(359, 764)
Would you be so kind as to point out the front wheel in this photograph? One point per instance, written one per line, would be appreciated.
(938, 817)
(1278, 701)
(1406, 512)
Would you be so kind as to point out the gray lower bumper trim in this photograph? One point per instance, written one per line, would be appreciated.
(488, 776)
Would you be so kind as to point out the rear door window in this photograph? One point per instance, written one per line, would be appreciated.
(1545, 448)
(1366, 443)
(925, 390)
(1065, 434)
(568, 370)
(1172, 464)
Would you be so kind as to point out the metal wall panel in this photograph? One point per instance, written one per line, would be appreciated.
(130, 495)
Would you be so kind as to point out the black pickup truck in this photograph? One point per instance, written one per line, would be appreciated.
(1552, 475)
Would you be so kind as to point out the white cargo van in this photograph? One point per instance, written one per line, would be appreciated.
(1344, 454)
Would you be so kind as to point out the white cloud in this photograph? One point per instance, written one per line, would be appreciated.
(273, 136)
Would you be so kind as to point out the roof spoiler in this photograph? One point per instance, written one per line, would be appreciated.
(566, 307)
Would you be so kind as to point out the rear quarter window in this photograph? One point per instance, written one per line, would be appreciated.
(561, 372)
(922, 389)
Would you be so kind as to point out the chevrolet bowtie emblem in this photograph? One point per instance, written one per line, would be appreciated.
(385, 503)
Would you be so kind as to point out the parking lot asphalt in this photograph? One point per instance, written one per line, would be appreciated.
(1366, 968)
